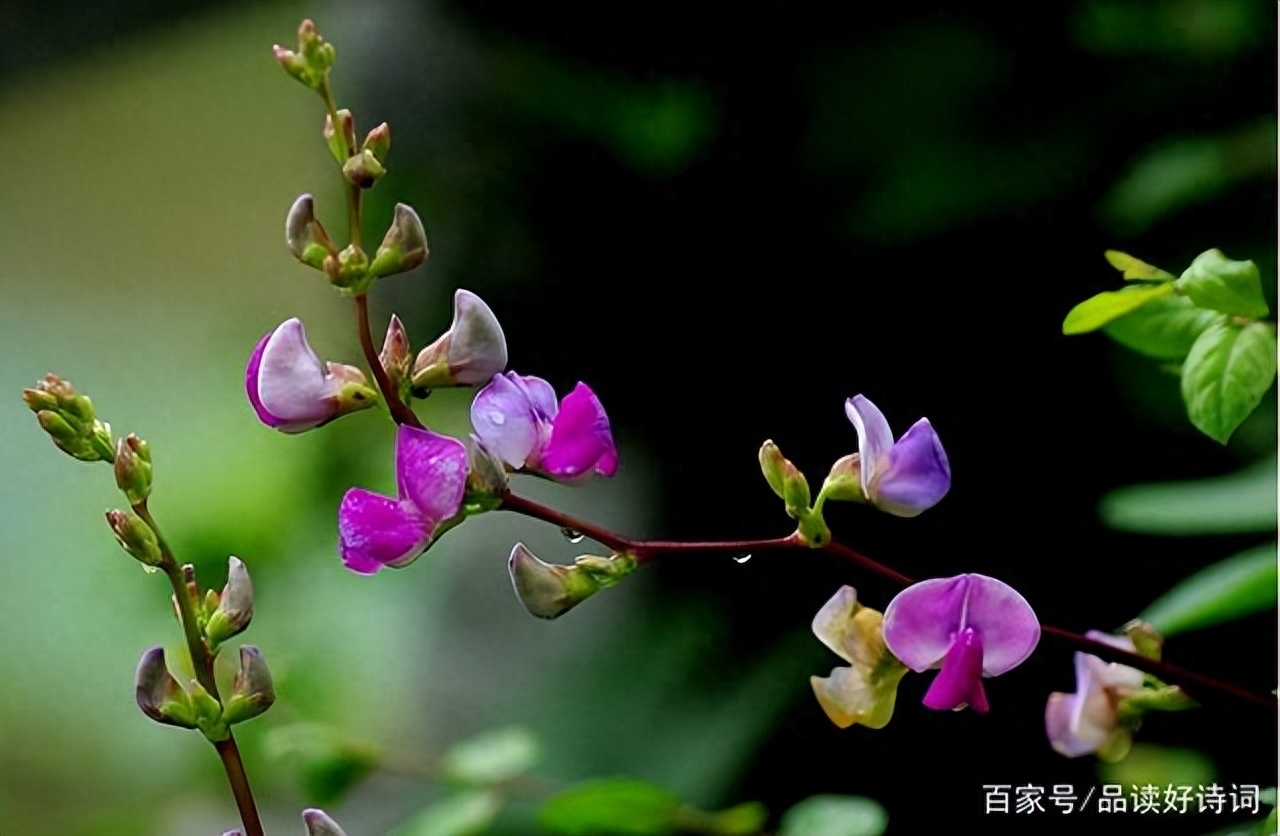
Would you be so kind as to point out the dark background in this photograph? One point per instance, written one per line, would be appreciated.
(729, 219)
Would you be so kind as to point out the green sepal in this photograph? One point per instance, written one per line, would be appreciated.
(207, 713)
(812, 528)
(1132, 708)
(1232, 287)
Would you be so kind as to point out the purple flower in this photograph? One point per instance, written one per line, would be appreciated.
(292, 391)
(972, 625)
(516, 418)
(902, 478)
(1089, 720)
(378, 531)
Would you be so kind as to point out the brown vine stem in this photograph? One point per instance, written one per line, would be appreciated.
(202, 664)
(1197, 685)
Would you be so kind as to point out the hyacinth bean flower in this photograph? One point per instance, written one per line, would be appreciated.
(971, 625)
(472, 351)
(292, 391)
(1088, 720)
(517, 419)
(865, 692)
(902, 478)
(378, 531)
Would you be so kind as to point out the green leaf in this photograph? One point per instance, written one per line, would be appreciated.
(461, 814)
(1134, 268)
(492, 757)
(1216, 282)
(1240, 503)
(1234, 588)
(1163, 328)
(1097, 311)
(834, 815)
(1229, 369)
(620, 806)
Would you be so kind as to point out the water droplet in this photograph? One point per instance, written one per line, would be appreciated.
(497, 417)
(742, 558)
(572, 536)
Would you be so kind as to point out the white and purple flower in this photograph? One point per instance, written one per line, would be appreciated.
(378, 531)
(472, 351)
(1088, 720)
(902, 478)
(517, 419)
(970, 625)
(291, 390)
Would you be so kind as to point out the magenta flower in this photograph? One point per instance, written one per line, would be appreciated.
(378, 531)
(292, 391)
(1089, 720)
(902, 478)
(971, 625)
(516, 419)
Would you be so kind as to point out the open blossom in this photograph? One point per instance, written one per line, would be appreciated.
(517, 419)
(1089, 720)
(378, 531)
(292, 391)
(864, 692)
(971, 625)
(902, 478)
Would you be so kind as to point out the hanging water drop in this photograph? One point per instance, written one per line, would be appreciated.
(571, 535)
(742, 558)
(497, 417)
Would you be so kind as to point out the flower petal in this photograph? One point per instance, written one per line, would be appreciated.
(917, 475)
(292, 384)
(540, 394)
(431, 472)
(848, 697)
(580, 438)
(875, 440)
(922, 620)
(1009, 627)
(478, 348)
(833, 625)
(1065, 736)
(377, 530)
(504, 420)
(251, 384)
(959, 684)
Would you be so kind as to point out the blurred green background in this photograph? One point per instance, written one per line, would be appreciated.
(726, 225)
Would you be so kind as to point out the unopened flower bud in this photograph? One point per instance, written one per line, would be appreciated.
(341, 140)
(311, 63)
(472, 351)
(69, 419)
(362, 169)
(319, 824)
(135, 537)
(404, 246)
(396, 354)
(133, 468)
(208, 713)
(786, 479)
(252, 692)
(549, 591)
(349, 270)
(159, 695)
(844, 482)
(486, 474)
(305, 236)
(773, 466)
(1146, 641)
(235, 606)
(378, 142)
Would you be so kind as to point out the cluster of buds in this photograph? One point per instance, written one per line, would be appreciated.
(69, 419)
(161, 698)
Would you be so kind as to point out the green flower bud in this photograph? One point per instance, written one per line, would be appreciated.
(68, 418)
(404, 246)
(1146, 641)
(208, 713)
(396, 356)
(136, 537)
(549, 591)
(378, 142)
(252, 692)
(773, 465)
(362, 169)
(159, 695)
(785, 478)
(311, 63)
(349, 270)
(234, 607)
(341, 140)
(133, 468)
(844, 482)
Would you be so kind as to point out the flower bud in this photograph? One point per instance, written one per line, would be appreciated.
(208, 713)
(844, 482)
(486, 475)
(305, 236)
(1146, 641)
(349, 270)
(378, 142)
(69, 419)
(135, 536)
(319, 824)
(362, 169)
(133, 468)
(395, 356)
(159, 695)
(235, 606)
(786, 480)
(773, 466)
(311, 63)
(549, 591)
(404, 246)
(472, 351)
(341, 142)
(252, 692)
